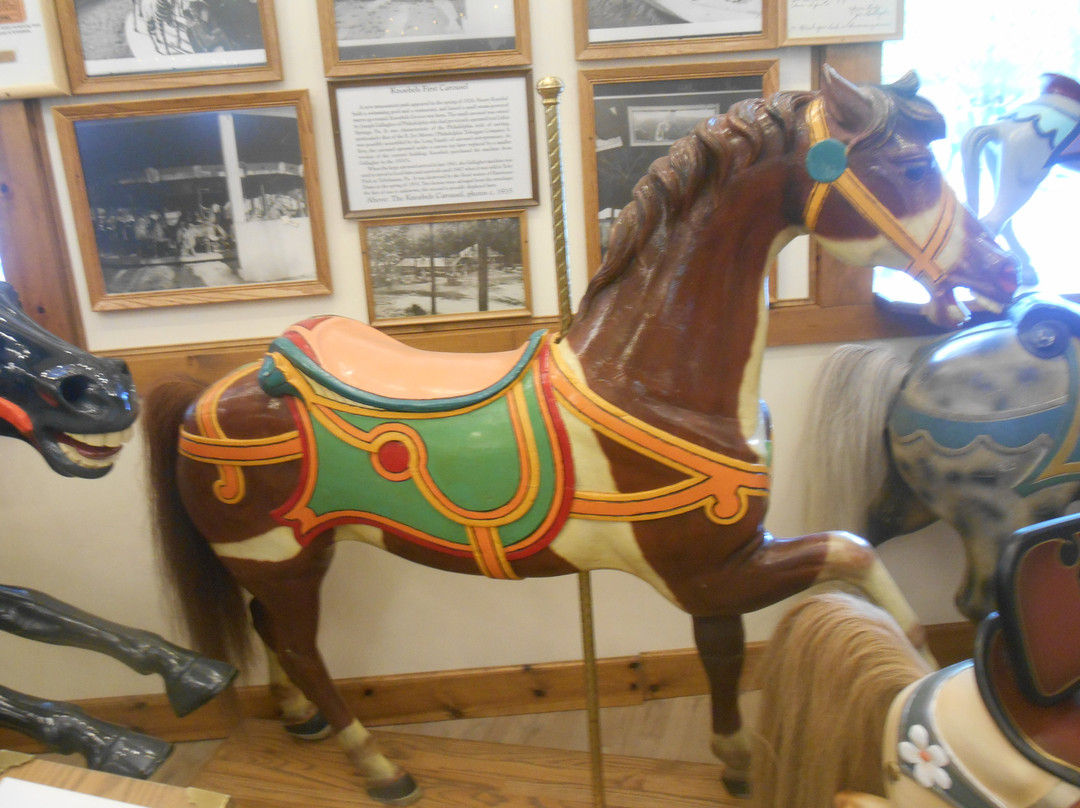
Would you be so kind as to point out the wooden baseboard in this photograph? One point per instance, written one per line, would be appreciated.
(472, 693)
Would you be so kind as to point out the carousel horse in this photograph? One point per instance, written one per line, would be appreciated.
(77, 410)
(1020, 148)
(636, 441)
(980, 429)
(849, 708)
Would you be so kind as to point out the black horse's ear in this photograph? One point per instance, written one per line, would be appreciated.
(844, 102)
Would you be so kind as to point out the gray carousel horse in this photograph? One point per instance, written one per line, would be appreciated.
(77, 410)
(981, 429)
(1020, 149)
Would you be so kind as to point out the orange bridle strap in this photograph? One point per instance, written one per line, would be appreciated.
(923, 254)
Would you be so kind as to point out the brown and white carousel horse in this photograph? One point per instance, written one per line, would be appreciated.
(850, 711)
(636, 441)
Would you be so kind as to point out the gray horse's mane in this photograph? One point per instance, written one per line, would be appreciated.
(843, 452)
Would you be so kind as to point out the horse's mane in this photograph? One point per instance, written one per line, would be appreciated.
(833, 667)
(720, 146)
(844, 439)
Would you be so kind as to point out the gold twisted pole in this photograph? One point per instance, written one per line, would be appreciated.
(549, 89)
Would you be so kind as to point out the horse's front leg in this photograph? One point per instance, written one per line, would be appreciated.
(191, 680)
(65, 728)
(721, 644)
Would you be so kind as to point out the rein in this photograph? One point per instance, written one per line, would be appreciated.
(826, 160)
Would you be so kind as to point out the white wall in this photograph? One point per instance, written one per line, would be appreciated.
(89, 541)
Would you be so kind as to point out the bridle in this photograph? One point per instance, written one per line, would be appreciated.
(826, 161)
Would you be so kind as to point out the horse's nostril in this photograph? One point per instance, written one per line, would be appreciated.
(73, 389)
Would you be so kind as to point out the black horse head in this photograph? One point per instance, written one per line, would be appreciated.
(75, 408)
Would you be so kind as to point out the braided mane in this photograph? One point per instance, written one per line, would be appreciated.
(721, 146)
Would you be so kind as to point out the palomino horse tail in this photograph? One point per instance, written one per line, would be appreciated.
(833, 667)
(844, 456)
(971, 148)
(210, 601)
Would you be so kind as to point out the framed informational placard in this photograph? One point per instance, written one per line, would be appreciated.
(605, 29)
(361, 37)
(459, 266)
(195, 200)
(119, 45)
(31, 57)
(437, 143)
(824, 22)
(630, 116)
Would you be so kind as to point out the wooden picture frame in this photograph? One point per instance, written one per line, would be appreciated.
(838, 22)
(31, 54)
(483, 35)
(208, 199)
(449, 268)
(191, 43)
(664, 101)
(608, 29)
(435, 143)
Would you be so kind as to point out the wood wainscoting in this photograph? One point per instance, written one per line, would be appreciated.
(473, 693)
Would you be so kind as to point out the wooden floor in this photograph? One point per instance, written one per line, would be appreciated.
(654, 754)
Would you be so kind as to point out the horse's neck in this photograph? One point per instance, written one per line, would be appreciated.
(678, 339)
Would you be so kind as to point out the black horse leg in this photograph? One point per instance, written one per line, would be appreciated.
(190, 680)
(67, 729)
(721, 645)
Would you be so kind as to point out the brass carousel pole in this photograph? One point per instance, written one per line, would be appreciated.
(549, 89)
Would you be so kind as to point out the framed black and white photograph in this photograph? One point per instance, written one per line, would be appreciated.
(632, 115)
(455, 267)
(31, 56)
(119, 45)
(434, 144)
(362, 37)
(195, 200)
(607, 29)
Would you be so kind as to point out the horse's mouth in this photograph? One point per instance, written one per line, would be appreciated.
(946, 311)
(93, 451)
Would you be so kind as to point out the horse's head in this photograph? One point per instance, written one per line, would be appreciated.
(876, 197)
(75, 408)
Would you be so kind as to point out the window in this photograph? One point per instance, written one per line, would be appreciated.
(978, 61)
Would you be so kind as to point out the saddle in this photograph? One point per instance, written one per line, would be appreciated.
(364, 366)
(1027, 657)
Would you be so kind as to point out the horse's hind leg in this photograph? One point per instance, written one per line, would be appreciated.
(288, 615)
(721, 645)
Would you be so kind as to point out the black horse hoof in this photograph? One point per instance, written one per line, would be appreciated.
(197, 683)
(737, 786)
(130, 754)
(314, 729)
(402, 791)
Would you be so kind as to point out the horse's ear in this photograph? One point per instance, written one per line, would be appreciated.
(844, 102)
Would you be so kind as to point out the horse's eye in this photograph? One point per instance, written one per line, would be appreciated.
(918, 171)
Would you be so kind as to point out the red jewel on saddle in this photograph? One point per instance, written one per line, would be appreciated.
(394, 456)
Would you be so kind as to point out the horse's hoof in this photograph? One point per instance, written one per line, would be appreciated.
(199, 681)
(402, 791)
(737, 786)
(313, 729)
(131, 754)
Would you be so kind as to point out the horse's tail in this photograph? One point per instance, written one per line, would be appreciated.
(844, 456)
(828, 676)
(971, 148)
(210, 601)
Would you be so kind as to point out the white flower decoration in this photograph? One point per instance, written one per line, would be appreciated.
(928, 759)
